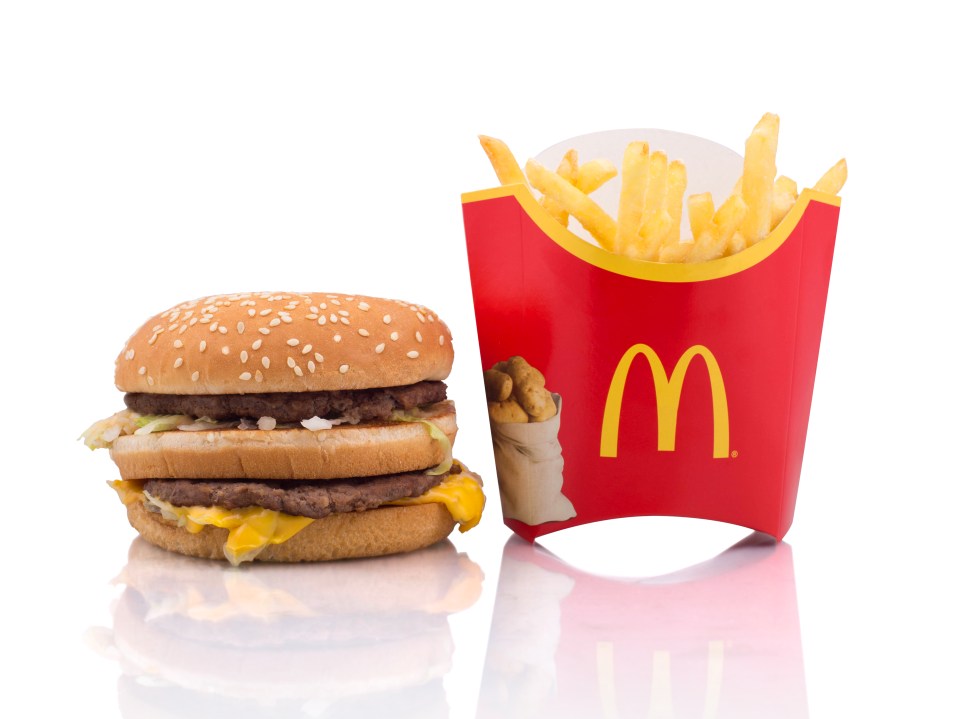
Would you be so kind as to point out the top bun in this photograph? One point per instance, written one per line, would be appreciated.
(284, 342)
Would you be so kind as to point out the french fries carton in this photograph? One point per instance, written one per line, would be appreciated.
(685, 387)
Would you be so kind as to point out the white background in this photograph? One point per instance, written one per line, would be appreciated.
(154, 152)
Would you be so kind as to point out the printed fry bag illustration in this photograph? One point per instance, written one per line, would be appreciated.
(525, 424)
(685, 358)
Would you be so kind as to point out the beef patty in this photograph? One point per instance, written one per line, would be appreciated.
(354, 405)
(303, 499)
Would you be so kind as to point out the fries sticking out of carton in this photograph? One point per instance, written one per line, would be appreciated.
(653, 187)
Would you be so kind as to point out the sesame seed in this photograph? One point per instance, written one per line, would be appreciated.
(321, 320)
(291, 362)
(152, 339)
(311, 316)
(251, 313)
(335, 302)
(307, 349)
(264, 313)
(142, 370)
(177, 363)
(362, 332)
(323, 305)
(287, 319)
(311, 366)
(337, 338)
(298, 372)
(158, 328)
(222, 330)
(263, 331)
(419, 337)
(225, 350)
(344, 320)
(195, 376)
(150, 380)
(178, 343)
(413, 354)
(394, 336)
(259, 376)
(334, 319)
(173, 326)
(441, 339)
(256, 344)
(343, 313)
(380, 347)
(430, 318)
(203, 345)
(318, 356)
(183, 328)
(344, 368)
(265, 361)
(314, 309)
(193, 321)
(130, 353)
(244, 356)
(241, 327)
(245, 376)
(293, 341)
(421, 317)
(275, 322)
(363, 306)
(386, 319)
(213, 327)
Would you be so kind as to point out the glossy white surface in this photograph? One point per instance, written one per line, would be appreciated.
(155, 152)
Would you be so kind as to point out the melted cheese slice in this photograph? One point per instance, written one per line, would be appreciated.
(252, 529)
(459, 493)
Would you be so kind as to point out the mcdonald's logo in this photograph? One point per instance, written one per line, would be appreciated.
(667, 389)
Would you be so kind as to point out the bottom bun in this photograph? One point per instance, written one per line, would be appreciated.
(373, 533)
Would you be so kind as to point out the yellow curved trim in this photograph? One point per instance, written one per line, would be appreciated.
(657, 271)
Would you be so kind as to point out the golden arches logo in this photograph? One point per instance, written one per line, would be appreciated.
(667, 389)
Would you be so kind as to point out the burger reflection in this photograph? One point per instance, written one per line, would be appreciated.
(344, 639)
(720, 639)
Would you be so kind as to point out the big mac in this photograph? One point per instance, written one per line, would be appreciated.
(289, 427)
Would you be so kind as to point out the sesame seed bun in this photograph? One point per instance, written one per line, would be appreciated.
(364, 450)
(284, 342)
(374, 533)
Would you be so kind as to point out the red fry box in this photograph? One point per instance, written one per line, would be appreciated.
(685, 388)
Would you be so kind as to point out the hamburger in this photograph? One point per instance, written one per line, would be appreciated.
(289, 427)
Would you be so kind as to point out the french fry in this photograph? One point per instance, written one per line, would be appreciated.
(594, 220)
(832, 182)
(759, 171)
(655, 230)
(656, 187)
(504, 163)
(594, 174)
(675, 251)
(700, 212)
(633, 190)
(785, 185)
(568, 171)
(676, 188)
(784, 196)
(728, 218)
(708, 246)
(737, 243)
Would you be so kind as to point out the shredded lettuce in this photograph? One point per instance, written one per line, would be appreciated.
(435, 433)
(101, 434)
(149, 423)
